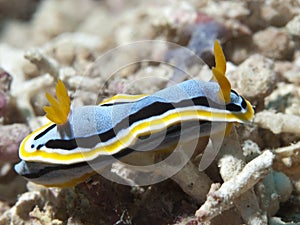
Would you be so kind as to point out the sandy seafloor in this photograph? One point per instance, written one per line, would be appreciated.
(41, 41)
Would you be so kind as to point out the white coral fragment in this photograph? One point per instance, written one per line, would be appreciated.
(221, 198)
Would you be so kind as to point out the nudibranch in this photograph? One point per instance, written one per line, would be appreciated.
(63, 152)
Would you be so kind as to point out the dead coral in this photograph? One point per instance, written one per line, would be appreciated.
(241, 179)
(274, 43)
(293, 26)
(10, 139)
(287, 161)
(270, 13)
(5, 82)
(220, 197)
(278, 122)
(254, 79)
